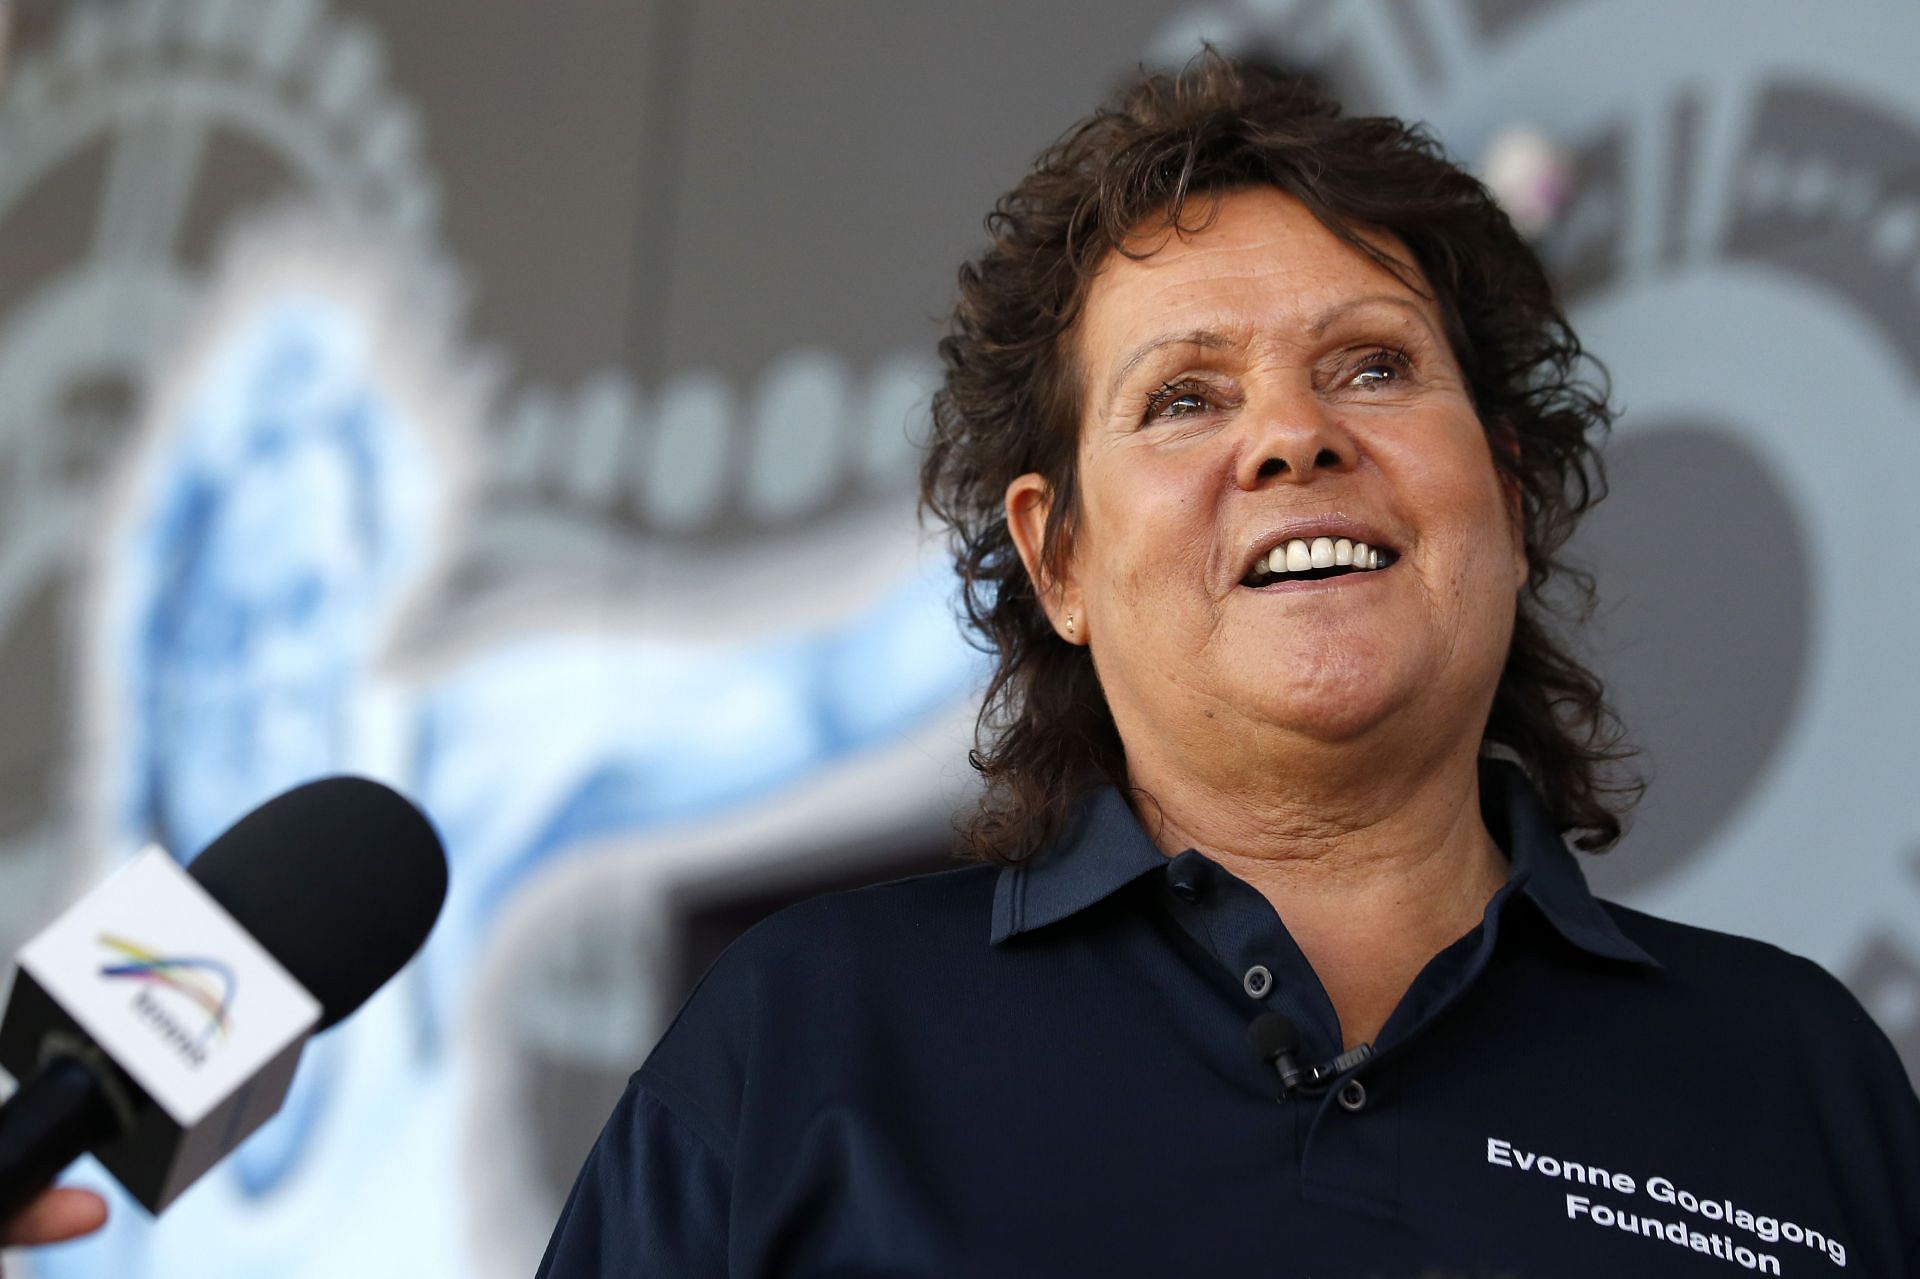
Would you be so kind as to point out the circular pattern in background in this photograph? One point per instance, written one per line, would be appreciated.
(1704, 630)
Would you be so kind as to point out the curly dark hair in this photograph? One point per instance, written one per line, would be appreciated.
(1162, 155)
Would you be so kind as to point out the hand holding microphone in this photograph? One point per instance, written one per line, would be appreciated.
(59, 1214)
(158, 1021)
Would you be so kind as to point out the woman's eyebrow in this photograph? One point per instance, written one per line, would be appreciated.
(1206, 339)
(1214, 340)
(1320, 323)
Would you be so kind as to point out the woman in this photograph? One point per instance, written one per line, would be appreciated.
(1259, 436)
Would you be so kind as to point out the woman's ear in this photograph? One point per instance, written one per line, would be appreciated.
(1029, 504)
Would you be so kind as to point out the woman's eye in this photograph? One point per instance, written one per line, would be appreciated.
(1382, 368)
(1175, 401)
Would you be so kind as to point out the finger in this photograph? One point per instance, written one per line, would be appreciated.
(61, 1213)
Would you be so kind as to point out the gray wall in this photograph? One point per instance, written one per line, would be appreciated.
(613, 320)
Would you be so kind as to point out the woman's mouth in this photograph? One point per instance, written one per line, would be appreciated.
(1314, 559)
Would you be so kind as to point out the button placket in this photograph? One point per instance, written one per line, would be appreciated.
(1353, 1141)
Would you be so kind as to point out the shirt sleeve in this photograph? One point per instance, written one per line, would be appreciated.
(651, 1200)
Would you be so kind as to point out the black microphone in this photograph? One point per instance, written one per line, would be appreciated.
(158, 1021)
(1276, 1039)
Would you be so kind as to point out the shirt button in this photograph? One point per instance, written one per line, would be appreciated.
(1353, 1096)
(1258, 981)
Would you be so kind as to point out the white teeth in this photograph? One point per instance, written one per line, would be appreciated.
(1301, 555)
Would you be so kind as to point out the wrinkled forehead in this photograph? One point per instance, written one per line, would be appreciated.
(1254, 261)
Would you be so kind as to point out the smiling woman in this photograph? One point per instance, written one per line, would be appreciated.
(1316, 411)
(1452, 284)
(1260, 436)
(1321, 403)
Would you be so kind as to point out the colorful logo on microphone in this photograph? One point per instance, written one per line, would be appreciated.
(207, 982)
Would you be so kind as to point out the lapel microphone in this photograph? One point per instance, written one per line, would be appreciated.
(1276, 1040)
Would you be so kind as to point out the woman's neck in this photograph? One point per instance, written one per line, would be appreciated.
(1371, 877)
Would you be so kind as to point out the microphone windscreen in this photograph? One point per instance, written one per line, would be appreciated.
(340, 880)
(1273, 1034)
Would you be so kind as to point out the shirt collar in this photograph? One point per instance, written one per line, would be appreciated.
(1104, 848)
(1543, 867)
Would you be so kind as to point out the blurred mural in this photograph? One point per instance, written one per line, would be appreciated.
(517, 403)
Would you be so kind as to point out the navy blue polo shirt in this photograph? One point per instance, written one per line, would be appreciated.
(1045, 1071)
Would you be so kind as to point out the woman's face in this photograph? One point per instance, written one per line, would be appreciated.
(1253, 384)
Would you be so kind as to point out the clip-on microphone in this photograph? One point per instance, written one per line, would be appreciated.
(1276, 1039)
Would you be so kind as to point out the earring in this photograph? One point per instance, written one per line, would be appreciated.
(1069, 623)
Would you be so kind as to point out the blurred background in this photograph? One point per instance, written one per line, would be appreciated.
(517, 403)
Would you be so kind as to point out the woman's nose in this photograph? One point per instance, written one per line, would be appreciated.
(1291, 441)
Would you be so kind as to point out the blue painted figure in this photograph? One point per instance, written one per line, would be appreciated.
(284, 516)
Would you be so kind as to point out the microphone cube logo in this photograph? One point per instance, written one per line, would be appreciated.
(148, 967)
(206, 983)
